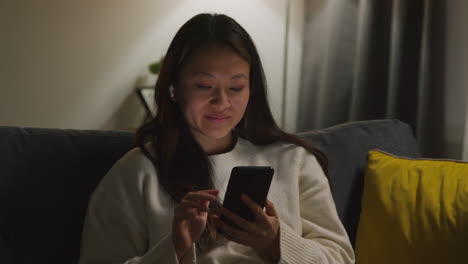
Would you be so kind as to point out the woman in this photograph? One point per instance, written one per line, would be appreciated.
(161, 202)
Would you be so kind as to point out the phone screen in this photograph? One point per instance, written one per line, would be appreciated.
(253, 181)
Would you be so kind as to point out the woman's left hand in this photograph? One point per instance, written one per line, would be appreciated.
(262, 235)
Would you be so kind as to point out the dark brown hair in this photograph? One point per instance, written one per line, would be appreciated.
(180, 162)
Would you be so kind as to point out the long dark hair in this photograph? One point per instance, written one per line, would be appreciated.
(180, 162)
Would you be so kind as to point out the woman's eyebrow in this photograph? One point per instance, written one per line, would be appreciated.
(203, 73)
(237, 76)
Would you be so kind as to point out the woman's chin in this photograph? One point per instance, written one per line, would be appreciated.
(217, 133)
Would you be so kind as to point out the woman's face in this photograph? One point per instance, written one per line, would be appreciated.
(213, 92)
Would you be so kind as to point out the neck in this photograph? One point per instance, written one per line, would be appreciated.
(218, 146)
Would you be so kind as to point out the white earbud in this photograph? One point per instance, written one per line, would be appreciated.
(171, 93)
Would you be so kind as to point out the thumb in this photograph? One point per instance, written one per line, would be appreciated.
(270, 209)
(206, 204)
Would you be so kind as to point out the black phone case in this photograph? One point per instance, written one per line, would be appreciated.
(253, 181)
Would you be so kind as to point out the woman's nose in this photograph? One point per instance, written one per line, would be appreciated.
(220, 99)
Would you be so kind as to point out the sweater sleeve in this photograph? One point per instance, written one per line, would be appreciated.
(115, 228)
(324, 239)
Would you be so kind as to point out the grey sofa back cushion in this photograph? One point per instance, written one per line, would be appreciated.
(346, 147)
(46, 179)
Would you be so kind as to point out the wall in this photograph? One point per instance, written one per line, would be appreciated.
(456, 81)
(75, 64)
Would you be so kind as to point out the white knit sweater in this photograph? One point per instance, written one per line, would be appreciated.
(129, 219)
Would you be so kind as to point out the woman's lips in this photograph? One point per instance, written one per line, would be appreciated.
(217, 118)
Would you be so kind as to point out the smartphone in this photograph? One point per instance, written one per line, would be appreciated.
(254, 181)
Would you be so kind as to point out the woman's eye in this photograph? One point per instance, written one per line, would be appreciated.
(236, 89)
(203, 86)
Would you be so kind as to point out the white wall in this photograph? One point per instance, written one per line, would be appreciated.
(456, 81)
(75, 64)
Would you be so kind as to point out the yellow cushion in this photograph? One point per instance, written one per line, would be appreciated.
(413, 211)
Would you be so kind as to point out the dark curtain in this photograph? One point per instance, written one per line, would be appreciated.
(375, 59)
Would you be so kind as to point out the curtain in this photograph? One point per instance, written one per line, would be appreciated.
(375, 59)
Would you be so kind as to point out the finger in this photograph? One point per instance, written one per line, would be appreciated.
(211, 191)
(187, 204)
(196, 196)
(239, 221)
(230, 232)
(208, 193)
(270, 208)
(253, 206)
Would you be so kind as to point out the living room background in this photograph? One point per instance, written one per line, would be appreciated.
(76, 64)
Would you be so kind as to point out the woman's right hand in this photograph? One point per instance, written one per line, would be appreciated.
(190, 218)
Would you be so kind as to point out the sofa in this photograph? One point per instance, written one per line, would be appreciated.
(48, 175)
